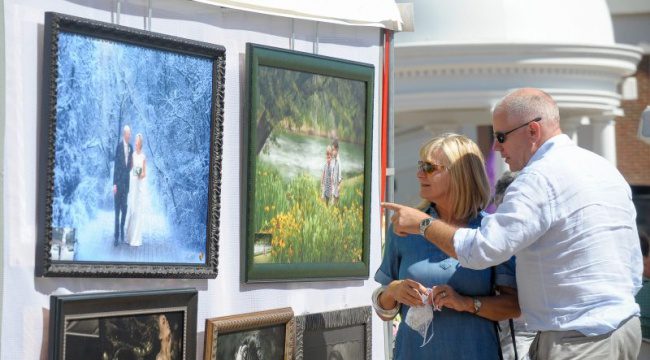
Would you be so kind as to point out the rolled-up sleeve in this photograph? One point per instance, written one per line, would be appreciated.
(389, 268)
(525, 215)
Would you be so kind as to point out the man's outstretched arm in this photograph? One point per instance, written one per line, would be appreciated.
(406, 220)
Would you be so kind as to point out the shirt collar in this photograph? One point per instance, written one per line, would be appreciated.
(552, 143)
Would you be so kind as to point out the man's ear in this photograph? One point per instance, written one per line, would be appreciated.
(535, 131)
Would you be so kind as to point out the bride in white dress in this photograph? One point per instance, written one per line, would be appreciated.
(136, 194)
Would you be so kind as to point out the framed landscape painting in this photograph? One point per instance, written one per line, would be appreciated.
(130, 160)
(158, 324)
(266, 335)
(335, 335)
(306, 208)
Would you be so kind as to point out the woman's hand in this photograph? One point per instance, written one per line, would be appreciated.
(445, 295)
(406, 292)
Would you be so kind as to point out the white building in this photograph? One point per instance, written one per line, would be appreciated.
(465, 55)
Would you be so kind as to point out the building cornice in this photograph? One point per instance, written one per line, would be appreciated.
(581, 77)
(516, 58)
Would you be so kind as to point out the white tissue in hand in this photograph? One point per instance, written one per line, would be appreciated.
(419, 318)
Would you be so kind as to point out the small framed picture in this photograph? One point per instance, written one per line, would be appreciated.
(335, 335)
(260, 335)
(130, 161)
(157, 324)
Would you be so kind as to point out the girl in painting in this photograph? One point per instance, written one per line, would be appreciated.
(326, 177)
(136, 194)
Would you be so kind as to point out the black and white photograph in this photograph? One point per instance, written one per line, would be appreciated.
(335, 335)
(265, 343)
(344, 343)
(268, 335)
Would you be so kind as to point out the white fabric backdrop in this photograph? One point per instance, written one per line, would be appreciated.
(26, 298)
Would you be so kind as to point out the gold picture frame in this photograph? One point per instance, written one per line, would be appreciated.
(266, 332)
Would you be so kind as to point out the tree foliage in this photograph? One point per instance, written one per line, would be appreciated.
(309, 103)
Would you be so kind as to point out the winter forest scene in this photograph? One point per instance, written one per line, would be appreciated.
(309, 168)
(141, 197)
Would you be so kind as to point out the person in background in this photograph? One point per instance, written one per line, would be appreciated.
(645, 249)
(454, 187)
(523, 338)
(570, 220)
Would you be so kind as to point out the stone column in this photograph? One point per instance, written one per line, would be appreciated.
(570, 128)
(604, 138)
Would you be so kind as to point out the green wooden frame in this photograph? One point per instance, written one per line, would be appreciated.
(256, 56)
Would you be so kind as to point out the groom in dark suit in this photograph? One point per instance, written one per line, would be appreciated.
(121, 171)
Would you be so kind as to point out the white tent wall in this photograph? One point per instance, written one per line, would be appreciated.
(25, 298)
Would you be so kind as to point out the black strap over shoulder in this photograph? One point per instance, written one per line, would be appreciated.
(493, 287)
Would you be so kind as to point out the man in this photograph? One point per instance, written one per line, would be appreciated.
(569, 219)
(121, 171)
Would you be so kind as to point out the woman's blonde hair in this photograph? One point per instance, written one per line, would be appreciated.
(469, 187)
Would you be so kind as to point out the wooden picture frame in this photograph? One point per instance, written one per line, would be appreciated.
(343, 334)
(106, 325)
(270, 332)
(142, 205)
(308, 143)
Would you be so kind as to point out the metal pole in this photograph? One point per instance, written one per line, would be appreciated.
(118, 11)
(293, 34)
(149, 13)
(316, 40)
(387, 171)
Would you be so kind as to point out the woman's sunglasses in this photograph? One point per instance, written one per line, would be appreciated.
(501, 136)
(428, 167)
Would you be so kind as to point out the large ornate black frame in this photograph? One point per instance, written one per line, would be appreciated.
(56, 23)
(67, 308)
(332, 320)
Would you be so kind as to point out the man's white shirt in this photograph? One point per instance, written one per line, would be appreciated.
(569, 219)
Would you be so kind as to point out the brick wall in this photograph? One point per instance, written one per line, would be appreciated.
(632, 154)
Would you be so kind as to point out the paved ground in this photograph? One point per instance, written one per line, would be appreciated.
(95, 243)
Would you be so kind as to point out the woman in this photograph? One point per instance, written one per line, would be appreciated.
(136, 194)
(454, 187)
(165, 337)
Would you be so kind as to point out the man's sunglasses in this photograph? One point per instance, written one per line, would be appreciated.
(428, 167)
(501, 136)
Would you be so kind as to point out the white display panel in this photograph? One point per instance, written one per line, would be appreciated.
(25, 299)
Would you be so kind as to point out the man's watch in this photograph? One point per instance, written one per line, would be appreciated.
(477, 305)
(424, 224)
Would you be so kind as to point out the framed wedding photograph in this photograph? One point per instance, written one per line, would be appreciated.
(159, 324)
(308, 138)
(335, 335)
(130, 161)
(259, 335)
